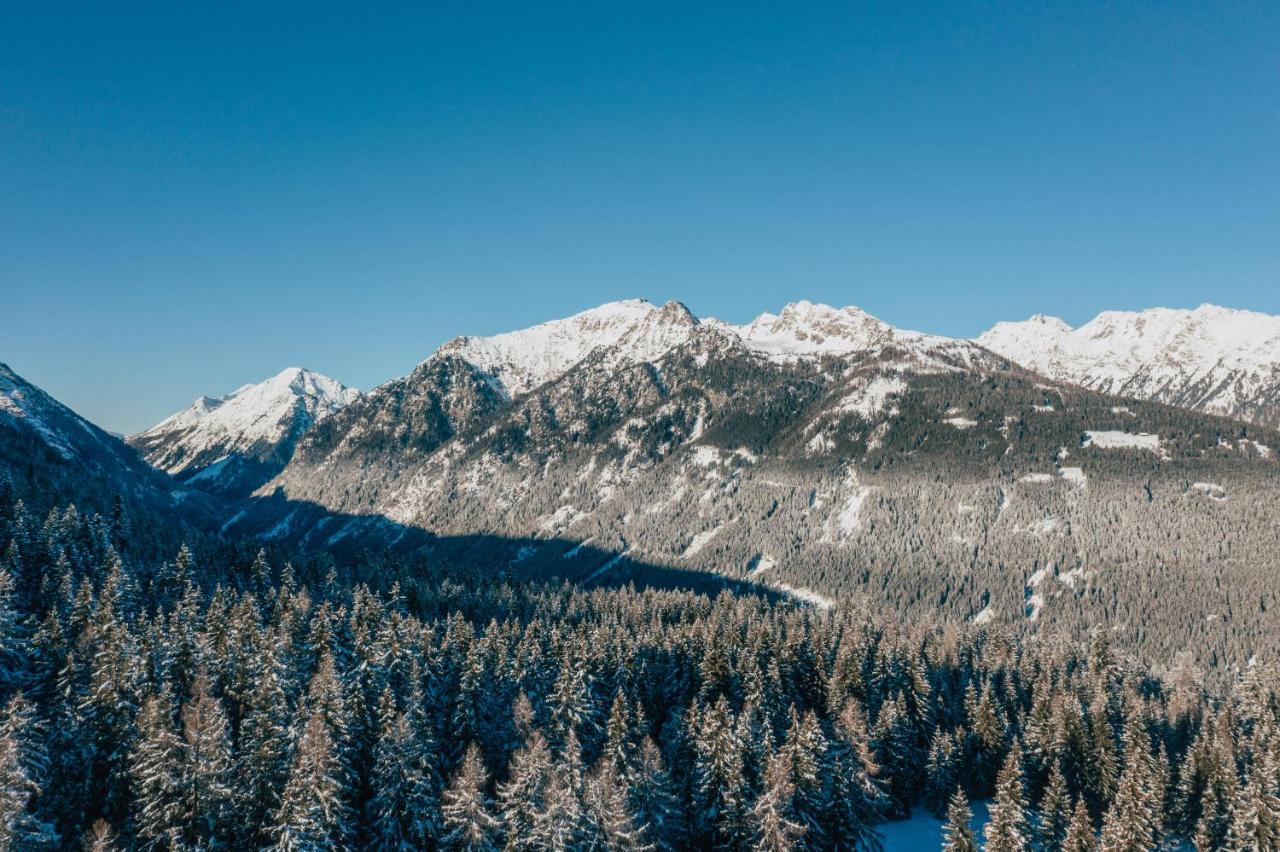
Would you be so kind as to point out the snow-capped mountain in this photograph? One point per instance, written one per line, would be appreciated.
(233, 444)
(48, 448)
(635, 331)
(1210, 359)
(519, 361)
(818, 450)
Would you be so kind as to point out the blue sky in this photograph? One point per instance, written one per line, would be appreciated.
(195, 196)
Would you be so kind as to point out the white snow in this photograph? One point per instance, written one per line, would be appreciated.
(705, 456)
(1261, 449)
(1074, 475)
(807, 330)
(922, 831)
(808, 596)
(213, 472)
(1036, 478)
(576, 549)
(960, 422)
(849, 518)
(701, 540)
(525, 552)
(873, 397)
(1045, 526)
(25, 403)
(1212, 490)
(246, 419)
(1035, 604)
(985, 616)
(606, 567)
(760, 564)
(1227, 358)
(1116, 440)
(519, 361)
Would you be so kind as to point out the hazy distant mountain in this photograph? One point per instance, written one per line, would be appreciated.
(53, 454)
(1211, 359)
(232, 445)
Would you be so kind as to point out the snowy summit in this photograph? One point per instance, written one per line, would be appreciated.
(215, 442)
(1212, 359)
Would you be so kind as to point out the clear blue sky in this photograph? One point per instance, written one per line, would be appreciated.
(194, 196)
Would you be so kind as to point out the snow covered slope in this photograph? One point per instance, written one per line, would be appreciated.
(233, 444)
(1211, 359)
(49, 451)
(519, 361)
(635, 331)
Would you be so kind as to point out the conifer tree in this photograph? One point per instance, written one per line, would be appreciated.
(940, 773)
(15, 656)
(1080, 836)
(1007, 829)
(523, 794)
(857, 797)
(207, 767)
(654, 801)
(957, 834)
(100, 837)
(468, 821)
(263, 760)
(1133, 820)
(155, 771)
(314, 813)
(776, 828)
(1054, 811)
(23, 772)
(720, 784)
(805, 747)
(1254, 819)
(609, 813)
(405, 808)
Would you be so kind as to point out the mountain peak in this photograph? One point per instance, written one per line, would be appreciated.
(1210, 358)
(259, 421)
(518, 361)
(809, 329)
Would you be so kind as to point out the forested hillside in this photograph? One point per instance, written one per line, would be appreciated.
(928, 480)
(166, 696)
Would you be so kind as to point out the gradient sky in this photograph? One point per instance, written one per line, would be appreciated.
(194, 196)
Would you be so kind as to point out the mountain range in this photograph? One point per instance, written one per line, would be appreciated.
(1211, 359)
(1036, 476)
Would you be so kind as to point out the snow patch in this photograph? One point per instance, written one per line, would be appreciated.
(808, 596)
(1074, 475)
(1116, 440)
(1212, 490)
(871, 399)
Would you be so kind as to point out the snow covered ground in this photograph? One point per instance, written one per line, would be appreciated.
(1116, 440)
(922, 830)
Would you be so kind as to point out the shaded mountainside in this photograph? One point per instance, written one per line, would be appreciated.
(1210, 359)
(232, 445)
(52, 455)
(925, 475)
